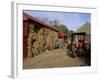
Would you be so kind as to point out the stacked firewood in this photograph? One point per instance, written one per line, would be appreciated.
(41, 41)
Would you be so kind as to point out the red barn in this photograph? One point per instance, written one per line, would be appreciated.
(41, 29)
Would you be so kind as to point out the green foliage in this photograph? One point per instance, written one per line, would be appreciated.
(71, 31)
(63, 28)
(58, 26)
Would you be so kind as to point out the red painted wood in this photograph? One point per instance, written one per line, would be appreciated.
(25, 39)
(60, 34)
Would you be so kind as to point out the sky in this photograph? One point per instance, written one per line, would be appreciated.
(71, 19)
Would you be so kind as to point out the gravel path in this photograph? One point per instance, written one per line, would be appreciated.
(52, 59)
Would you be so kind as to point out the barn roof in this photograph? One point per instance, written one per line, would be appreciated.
(85, 28)
(29, 17)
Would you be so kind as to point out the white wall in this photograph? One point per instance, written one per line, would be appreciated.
(5, 39)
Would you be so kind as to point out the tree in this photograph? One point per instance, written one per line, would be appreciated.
(71, 31)
(63, 28)
(54, 23)
(60, 27)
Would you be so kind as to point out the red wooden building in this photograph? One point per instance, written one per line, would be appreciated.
(27, 20)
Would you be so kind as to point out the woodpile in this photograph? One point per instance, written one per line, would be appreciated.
(40, 41)
(38, 36)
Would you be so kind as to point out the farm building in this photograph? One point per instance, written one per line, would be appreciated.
(87, 29)
(38, 35)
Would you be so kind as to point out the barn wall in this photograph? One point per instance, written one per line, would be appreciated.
(37, 35)
(51, 39)
(25, 39)
(40, 38)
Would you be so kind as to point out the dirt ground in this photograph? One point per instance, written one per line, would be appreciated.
(52, 59)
